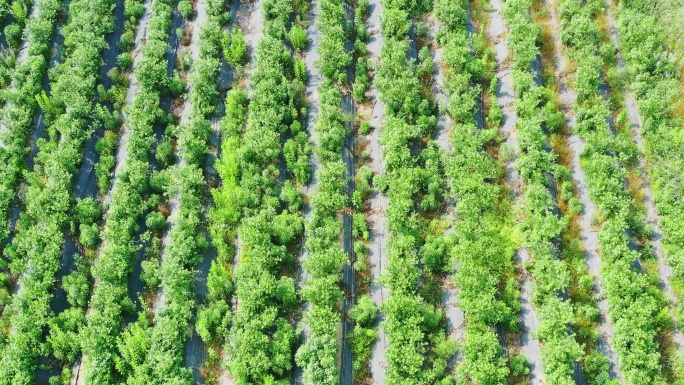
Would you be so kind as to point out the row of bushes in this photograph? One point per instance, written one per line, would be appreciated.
(364, 313)
(654, 81)
(542, 227)
(36, 249)
(65, 326)
(129, 202)
(224, 215)
(214, 318)
(161, 359)
(418, 349)
(361, 62)
(4, 8)
(318, 355)
(21, 104)
(263, 204)
(480, 251)
(112, 121)
(18, 112)
(154, 355)
(636, 306)
(15, 32)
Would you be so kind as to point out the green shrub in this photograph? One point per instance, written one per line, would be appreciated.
(64, 334)
(164, 153)
(395, 23)
(362, 8)
(519, 365)
(291, 195)
(494, 115)
(360, 228)
(361, 84)
(77, 285)
(234, 48)
(126, 41)
(124, 60)
(364, 180)
(365, 128)
(219, 282)
(13, 35)
(18, 10)
(422, 30)
(360, 252)
(213, 321)
(150, 274)
(88, 210)
(89, 235)
(364, 312)
(176, 84)
(449, 12)
(155, 221)
(185, 8)
(362, 341)
(159, 181)
(298, 38)
(433, 253)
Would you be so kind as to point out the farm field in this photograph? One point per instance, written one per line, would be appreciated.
(324, 192)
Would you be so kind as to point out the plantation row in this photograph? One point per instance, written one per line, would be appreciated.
(112, 265)
(36, 249)
(637, 309)
(15, 31)
(318, 355)
(418, 349)
(19, 110)
(364, 312)
(162, 217)
(65, 324)
(264, 207)
(162, 360)
(481, 252)
(543, 227)
(68, 327)
(654, 82)
(214, 320)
